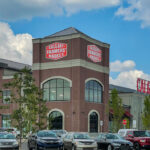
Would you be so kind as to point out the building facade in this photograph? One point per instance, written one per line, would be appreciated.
(7, 71)
(73, 70)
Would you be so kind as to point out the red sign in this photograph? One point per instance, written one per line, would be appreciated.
(143, 86)
(56, 51)
(94, 53)
(124, 122)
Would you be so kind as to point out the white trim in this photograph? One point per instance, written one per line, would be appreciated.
(56, 77)
(91, 111)
(63, 115)
(7, 77)
(71, 63)
(88, 79)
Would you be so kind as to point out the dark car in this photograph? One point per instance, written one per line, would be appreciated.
(109, 141)
(44, 140)
(8, 141)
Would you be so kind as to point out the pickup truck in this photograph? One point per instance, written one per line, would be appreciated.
(140, 139)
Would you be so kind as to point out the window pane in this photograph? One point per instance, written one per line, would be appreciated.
(95, 85)
(6, 96)
(52, 94)
(99, 96)
(91, 84)
(60, 95)
(6, 121)
(46, 85)
(66, 93)
(53, 83)
(66, 83)
(59, 83)
(46, 95)
(95, 96)
(91, 95)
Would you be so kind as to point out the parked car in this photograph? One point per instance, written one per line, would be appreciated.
(123, 132)
(140, 139)
(110, 141)
(44, 139)
(12, 130)
(8, 141)
(77, 140)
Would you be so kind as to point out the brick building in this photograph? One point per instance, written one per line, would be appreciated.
(73, 70)
(7, 70)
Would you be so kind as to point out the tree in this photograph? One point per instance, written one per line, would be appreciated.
(146, 113)
(115, 104)
(31, 109)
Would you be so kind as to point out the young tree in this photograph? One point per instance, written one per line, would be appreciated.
(115, 104)
(31, 108)
(146, 113)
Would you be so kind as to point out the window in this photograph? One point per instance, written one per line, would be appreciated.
(6, 121)
(56, 90)
(93, 91)
(6, 96)
(93, 122)
(55, 120)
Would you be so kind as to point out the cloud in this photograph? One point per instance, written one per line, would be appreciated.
(136, 10)
(118, 66)
(15, 47)
(127, 76)
(27, 9)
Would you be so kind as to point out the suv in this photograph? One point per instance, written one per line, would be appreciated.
(140, 139)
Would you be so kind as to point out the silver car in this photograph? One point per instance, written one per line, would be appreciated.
(8, 141)
(79, 141)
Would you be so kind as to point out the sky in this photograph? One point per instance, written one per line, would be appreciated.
(124, 24)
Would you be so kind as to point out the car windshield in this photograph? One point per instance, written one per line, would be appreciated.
(6, 136)
(113, 136)
(141, 134)
(81, 136)
(59, 131)
(46, 134)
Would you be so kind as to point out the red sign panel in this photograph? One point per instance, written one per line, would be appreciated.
(124, 122)
(94, 53)
(143, 86)
(56, 51)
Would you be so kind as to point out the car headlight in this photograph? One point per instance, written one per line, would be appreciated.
(94, 143)
(142, 141)
(60, 141)
(15, 143)
(116, 144)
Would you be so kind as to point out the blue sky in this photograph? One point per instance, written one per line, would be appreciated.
(125, 25)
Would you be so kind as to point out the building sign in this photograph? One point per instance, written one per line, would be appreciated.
(94, 53)
(56, 51)
(143, 86)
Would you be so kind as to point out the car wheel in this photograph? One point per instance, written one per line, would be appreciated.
(109, 147)
(137, 146)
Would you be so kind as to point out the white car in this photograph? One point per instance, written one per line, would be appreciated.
(123, 132)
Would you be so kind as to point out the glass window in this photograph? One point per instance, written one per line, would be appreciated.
(55, 120)
(93, 122)
(6, 96)
(93, 91)
(56, 90)
(6, 121)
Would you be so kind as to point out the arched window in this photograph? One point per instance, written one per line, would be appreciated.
(93, 91)
(56, 90)
(55, 120)
(93, 122)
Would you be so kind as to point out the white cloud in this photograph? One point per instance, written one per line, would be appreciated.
(127, 77)
(118, 66)
(136, 10)
(26, 9)
(15, 47)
